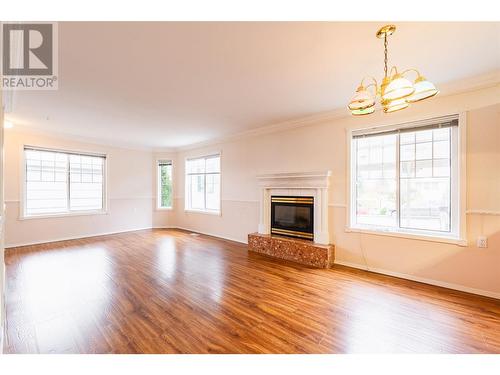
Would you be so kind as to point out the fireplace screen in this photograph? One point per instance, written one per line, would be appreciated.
(292, 216)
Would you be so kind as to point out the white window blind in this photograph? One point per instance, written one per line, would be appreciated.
(203, 184)
(60, 182)
(406, 179)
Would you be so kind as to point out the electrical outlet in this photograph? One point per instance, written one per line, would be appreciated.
(482, 242)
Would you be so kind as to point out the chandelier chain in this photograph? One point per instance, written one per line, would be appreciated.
(385, 55)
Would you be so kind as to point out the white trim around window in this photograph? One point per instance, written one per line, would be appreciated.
(457, 233)
(158, 206)
(201, 174)
(67, 212)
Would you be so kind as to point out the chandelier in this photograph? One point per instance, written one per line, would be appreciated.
(396, 92)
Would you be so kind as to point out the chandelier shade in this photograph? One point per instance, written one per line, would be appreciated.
(362, 99)
(396, 91)
(398, 88)
(364, 111)
(423, 90)
(395, 105)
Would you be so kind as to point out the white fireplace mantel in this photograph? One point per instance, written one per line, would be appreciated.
(312, 184)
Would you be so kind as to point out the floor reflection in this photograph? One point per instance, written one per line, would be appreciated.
(53, 282)
(384, 322)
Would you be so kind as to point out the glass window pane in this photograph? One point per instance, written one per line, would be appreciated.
(213, 164)
(407, 169)
(441, 167)
(407, 138)
(46, 188)
(441, 134)
(423, 136)
(407, 152)
(425, 204)
(197, 192)
(375, 152)
(165, 186)
(424, 151)
(376, 180)
(425, 199)
(86, 182)
(423, 168)
(212, 193)
(203, 183)
(86, 177)
(195, 165)
(376, 203)
(363, 151)
(441, 150)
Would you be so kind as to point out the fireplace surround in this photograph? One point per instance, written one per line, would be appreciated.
(304, 184)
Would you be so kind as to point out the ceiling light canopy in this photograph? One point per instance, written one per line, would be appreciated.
(396, 91)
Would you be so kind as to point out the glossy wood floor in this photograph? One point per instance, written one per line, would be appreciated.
(166, 291)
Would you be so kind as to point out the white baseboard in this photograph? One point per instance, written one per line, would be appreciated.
(10, 246)
(424, 280)
(212, 235)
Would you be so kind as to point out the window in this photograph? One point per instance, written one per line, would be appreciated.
(58, 182)
(164, 175)
(203, 184)
(406, 180)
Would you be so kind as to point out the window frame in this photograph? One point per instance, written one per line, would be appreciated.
(459, 188)
(187, 192)
(23, 187)
(158, 184)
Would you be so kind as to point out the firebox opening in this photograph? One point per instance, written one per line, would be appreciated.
(292, 216)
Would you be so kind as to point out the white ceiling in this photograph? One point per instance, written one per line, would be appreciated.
(163, 85)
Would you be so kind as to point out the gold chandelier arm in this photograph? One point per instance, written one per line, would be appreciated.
(411, 70)
(395, 69)
(374, 81)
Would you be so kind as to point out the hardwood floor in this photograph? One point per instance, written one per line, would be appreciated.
(166, 291)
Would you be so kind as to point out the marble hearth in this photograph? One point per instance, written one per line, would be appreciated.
(296, 250)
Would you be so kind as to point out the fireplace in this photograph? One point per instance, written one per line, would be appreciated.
(292, 216)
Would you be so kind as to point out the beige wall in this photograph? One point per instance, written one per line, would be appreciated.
(322, 146)
(129, 193)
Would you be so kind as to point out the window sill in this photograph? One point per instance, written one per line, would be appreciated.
(408, 235)
(69, 214)
(206, 212)
(164, 208)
